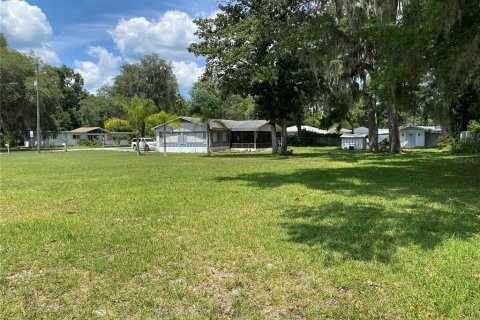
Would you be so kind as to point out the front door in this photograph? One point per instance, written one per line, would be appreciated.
(410, 140)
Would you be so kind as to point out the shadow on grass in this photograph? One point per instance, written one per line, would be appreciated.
(420, 202)
(373, 232)
(330, 154)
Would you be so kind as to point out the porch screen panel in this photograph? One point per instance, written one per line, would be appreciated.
(172, 137)
(194, 137)
(199, 137)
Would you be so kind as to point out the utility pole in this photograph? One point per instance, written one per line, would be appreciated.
(37, 85)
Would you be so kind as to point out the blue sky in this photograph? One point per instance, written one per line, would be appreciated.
(95, 37)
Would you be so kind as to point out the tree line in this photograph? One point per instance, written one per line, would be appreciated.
(65, 104)
(318, 62)
(329, 61)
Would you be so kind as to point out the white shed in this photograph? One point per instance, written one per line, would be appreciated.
(419, 136)
(353, 141)
(412, 136)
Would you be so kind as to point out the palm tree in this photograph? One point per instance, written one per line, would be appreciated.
(164, 118)
(139, 110)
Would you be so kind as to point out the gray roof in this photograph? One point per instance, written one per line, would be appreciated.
(233, 125)
(189, 119)
(434, 129)
(341, 131)
(294, 129)
(245, 125)
(354, 135)
(365, 130)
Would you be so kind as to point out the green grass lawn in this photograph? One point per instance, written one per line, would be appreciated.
(320, 234)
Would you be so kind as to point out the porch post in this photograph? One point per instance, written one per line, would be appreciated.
(254, 140)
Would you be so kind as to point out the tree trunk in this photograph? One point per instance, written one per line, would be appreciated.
(208, 138)
(164, 140)
(393, 129)
(298, 124)
(284, 134)
(372, 127)
(274, 137)
(138, 143)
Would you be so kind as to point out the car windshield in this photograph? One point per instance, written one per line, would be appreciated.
(149, 140)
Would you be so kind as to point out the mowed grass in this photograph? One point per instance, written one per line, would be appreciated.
(320, 234)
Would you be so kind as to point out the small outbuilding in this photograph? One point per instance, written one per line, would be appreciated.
(353, 141)
(419, 136)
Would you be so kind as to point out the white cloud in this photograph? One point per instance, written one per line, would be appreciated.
(96, 74)
(26, 28)
(47, 54)
(187, 73)
(169, 36)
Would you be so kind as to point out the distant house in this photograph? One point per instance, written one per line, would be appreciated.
(320, 137)
(338, 131)
(191, 136)
(353, 141)
(293, 130)
(382, 133)
(73, 137)
(419, 136)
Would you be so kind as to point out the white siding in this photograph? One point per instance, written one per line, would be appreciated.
(357, 143)
(188, 138)
(412, 137)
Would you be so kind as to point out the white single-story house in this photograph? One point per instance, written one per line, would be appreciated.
(73, 137)
(382, 133)
(419, 136)
(293, 130)
(191, 136)
(353, 141)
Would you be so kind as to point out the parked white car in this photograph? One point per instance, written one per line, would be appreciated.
(148, 144)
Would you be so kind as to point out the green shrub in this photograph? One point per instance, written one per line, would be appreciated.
(464, 146)
(474, 127)
(446, 142)
(455, 145)
(286, 153)
(89, 143)
(384, 145)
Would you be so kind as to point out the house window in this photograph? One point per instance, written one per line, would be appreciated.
(224, 136)
(192, 137)
(76, 137)
(214, 137)
(172, 137)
